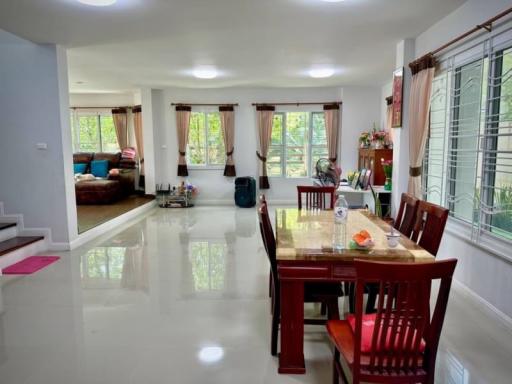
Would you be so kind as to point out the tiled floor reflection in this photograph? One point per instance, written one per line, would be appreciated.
(181, 297)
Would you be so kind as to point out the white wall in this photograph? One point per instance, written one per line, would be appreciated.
(33, 96)
(108, 100)
(485, 274)
(361, 107)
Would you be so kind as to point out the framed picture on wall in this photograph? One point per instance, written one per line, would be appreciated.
(398, 88)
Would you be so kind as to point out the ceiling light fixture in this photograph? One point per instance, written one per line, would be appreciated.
(205, 72)
(320, 73)
(333, 1)
(98, 3)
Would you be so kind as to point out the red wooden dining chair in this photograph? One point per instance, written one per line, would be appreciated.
(327, 293)
(429, 226)
(398, 344)
(315, 197)
(406, 217)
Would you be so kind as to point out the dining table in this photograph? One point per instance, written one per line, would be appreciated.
(305, 253)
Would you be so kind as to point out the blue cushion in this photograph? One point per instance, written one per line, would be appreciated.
(80, 167)
(99, 168)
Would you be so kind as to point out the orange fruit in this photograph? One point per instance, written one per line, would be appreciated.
(359, 239)
(365, 234)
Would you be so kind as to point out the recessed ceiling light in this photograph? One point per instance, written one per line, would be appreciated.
(97, 3)
(319, 73)
(205, 72)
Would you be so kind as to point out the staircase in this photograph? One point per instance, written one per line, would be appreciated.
(15, 247)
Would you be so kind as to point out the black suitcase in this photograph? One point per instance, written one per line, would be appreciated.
(245, 192)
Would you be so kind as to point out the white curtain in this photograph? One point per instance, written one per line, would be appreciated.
(120, 118)
(265, 121)
(419, 108)
(332, 129)
(182, 127)
(227, 119)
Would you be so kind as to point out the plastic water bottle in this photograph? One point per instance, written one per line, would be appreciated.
(339, 238)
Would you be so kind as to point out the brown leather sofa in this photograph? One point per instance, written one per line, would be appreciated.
(105, 191)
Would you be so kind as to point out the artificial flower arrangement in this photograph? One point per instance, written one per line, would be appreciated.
(387, 166)
(364, 139)
(350, 177)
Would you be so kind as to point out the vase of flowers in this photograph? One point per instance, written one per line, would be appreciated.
(365, 139)
(387, 166)
(379, 139)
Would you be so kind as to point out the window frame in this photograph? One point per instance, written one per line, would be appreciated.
(284, 147)
(479, 230)
(207, 165)
(75, 129)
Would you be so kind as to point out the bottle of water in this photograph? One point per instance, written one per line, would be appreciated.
(339, 238)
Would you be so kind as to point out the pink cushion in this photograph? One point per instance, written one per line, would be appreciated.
(367, 333)
(128, 153)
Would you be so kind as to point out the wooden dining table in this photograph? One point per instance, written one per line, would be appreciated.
(305, 253)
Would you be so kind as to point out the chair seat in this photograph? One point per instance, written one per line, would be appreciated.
(313, 291)
(342, 335)
(367, 333)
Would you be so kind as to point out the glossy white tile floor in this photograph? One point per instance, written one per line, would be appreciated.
(181, 297)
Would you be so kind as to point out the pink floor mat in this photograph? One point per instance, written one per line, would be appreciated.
(29, 265)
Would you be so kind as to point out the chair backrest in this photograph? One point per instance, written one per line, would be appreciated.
(405, 338)
(269, 240)
(429, 227)
(406, 217)
(315, 197)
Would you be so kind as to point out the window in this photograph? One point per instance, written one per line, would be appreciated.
(468, 161)
(93, 132)
(298, 141)
(205, 142)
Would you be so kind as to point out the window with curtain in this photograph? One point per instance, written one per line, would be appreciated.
(468, 161)
(298, 141)
(205, 143)
(93, 131)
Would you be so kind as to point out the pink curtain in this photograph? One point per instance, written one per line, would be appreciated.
(227, 119)
(265, 115)
(120, 117)
(182, 127)
(332, 128)
(419, 108)
(139, 141)
(389, 118)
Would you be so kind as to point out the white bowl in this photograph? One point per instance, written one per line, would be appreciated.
(393, 239)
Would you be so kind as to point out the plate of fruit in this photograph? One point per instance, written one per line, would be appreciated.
(362, 240)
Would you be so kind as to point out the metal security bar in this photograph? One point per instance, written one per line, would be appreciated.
(468, 160)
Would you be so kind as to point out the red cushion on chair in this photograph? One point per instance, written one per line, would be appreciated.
(367, 333)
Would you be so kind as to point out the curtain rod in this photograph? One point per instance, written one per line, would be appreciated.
(487, 25)
(207, 104)
(300, 103)
(102, 107)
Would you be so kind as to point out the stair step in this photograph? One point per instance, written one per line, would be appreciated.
(17, 243)
(7, 225)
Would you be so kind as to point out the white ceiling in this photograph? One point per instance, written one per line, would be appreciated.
(252, 42)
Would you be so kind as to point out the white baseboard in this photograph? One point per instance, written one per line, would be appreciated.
(102, 228)
(487, 307)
